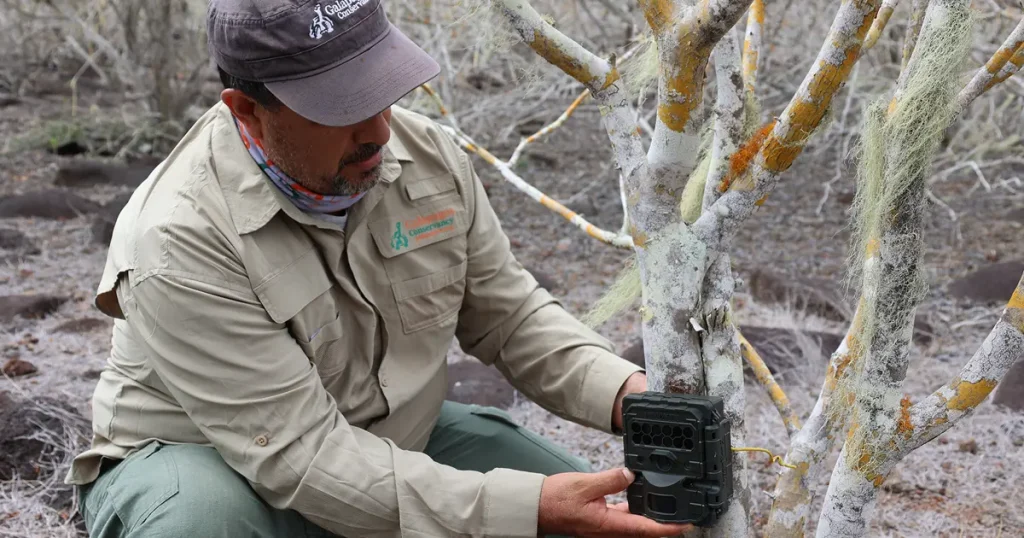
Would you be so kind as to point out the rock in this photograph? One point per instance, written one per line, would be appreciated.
(814, 295)
(28, 306)
(472, 382)
(969, 446)
(103, 222)
(992, 283)
(11, 239)
(82, 325)
(47, 204)
(5, 400)
(16, 368)
(924, 334)
(86, 173)
(1015, 215)
(1009, 392)
(26, 428)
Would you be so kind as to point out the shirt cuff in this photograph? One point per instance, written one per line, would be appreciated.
(605, 377)
(512, 503)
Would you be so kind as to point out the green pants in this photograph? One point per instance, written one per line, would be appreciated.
(188, 491)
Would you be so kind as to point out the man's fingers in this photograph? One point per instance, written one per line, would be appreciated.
(608, 482)
(619, 523)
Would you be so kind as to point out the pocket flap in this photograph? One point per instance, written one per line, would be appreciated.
(396, 235)
(293, 287)
(430, 186)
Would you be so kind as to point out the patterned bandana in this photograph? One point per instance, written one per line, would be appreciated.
(302, 197)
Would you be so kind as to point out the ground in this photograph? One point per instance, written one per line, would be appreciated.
(963, 484)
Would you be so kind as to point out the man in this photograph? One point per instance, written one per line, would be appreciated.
(286, 285)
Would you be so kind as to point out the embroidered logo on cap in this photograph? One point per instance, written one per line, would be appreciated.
(340, 9)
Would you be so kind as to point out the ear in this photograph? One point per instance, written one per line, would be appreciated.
(245, 109)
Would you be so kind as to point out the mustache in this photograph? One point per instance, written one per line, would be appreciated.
(364, 152)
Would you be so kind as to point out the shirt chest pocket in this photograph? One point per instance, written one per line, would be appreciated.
(423, 250)
(299, 295)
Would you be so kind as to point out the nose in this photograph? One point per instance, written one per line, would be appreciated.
(374, 130)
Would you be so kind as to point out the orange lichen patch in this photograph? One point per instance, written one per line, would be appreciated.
(968, 395)
(685, 82)
(760, 202)
(904, 427)
(639, 238)
(871, 250)
(741, 159)
(999, 59)
(551, 51)
(657, 12)
(805, 112)
(483, 153)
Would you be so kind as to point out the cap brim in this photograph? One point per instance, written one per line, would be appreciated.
(361, 87)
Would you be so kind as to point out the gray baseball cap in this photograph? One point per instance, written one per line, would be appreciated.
(335, 62)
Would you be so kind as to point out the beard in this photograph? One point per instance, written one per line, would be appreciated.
(287, 156)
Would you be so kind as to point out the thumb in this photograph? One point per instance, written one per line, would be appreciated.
(608, 482)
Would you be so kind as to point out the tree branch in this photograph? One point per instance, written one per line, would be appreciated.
(793, 497)
(558, 49)
(767, 380)
(976, 380)
(917, 11)
(729, 116)
(881, 21)
(752, 45)
(659, 13)
(773, 149)
(1003, 65)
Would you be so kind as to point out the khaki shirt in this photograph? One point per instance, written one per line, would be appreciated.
(313, 355)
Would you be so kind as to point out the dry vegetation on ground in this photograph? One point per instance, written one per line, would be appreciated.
(92, 73)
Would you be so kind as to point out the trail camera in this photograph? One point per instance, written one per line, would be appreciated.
(679, 447)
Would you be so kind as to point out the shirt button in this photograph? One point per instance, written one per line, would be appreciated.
(261, 440)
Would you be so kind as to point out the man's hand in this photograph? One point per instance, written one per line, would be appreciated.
(573, 504)
(635, 383)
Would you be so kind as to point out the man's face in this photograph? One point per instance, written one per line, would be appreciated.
(327, 160)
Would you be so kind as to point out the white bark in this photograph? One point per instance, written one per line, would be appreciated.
(729, 110)
(998, 68)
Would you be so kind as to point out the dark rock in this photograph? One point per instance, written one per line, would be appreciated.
(73, 147)
(814, 295)
(11, 239)
(86, 173)
(48, 204)
(17, 368)
(1009, 392)
(26, 450)
(1015, 215)
(92, 374)
(5, 400)
(924, 333)
(8, 100)
(472, 382)
(103, 222)
(28, 306)
(82, 325)
(992, 283)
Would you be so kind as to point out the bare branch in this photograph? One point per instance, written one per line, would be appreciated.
(611, 238)
(547, 128)
(791, 508)
(558, 49)
(767, 380)
(728, 114)
(881, 21)
(752, 45)
(917, 11)
(1004, 64)
(976, 380)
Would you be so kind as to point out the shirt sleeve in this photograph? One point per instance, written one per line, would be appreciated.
(509, 321)
(244, 381)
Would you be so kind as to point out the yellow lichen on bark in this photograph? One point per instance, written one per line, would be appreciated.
(556, 55)
(750, 50)
(805, 113)
(685, 86)
(765, 378)
(658, 13)
(968, 395)
(1017, 60)
(1015, 308)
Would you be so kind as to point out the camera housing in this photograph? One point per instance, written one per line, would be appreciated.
(679, 447)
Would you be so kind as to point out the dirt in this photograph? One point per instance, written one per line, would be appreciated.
(949, 492)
